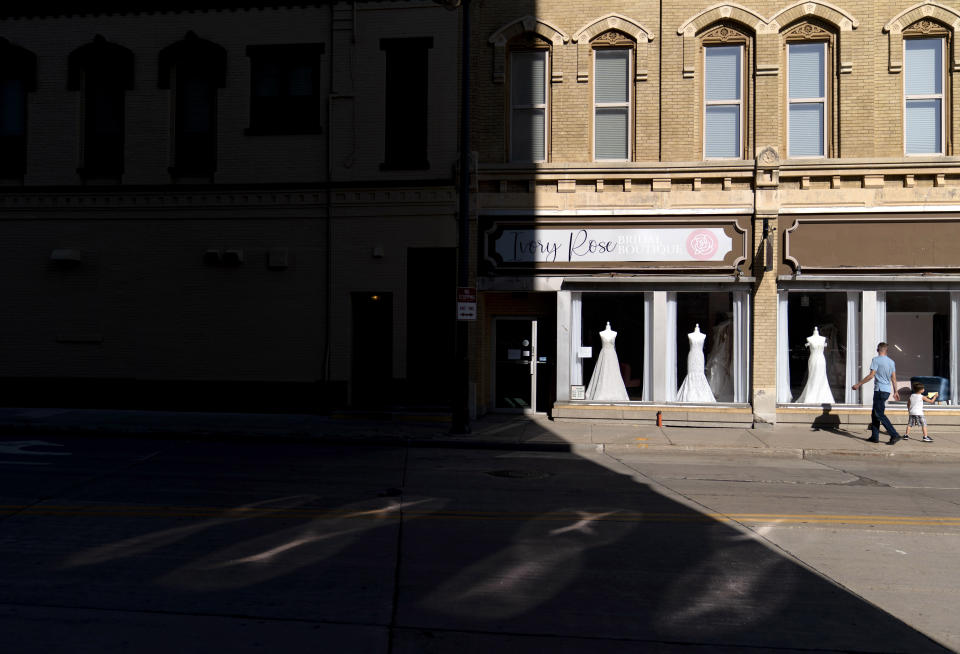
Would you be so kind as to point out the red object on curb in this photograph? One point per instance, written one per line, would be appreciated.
(659, 418)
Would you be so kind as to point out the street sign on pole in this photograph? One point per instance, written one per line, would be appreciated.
(466, 303)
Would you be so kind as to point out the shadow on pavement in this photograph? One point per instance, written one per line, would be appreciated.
(444, 550)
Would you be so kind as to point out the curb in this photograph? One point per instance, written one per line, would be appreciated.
(375, 437)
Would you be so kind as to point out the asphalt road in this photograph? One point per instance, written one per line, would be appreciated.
(113, 545)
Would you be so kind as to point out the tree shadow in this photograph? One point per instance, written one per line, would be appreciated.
(446, 549)
(601, 554)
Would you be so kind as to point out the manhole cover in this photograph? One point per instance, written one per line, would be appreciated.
(519, 474)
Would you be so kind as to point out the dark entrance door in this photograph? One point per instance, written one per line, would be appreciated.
(372, 351)
(431, 326)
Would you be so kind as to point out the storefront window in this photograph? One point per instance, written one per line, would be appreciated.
(920, 339)
(625, 313)
(811, 314)
(712, 313)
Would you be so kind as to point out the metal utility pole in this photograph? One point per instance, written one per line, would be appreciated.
(461, 386)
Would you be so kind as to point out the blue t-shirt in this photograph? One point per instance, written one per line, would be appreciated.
(885, 367)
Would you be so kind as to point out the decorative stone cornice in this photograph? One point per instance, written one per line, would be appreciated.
(213, 201)
(613, 22)
(751, 20)
(526, 24)
(586, 36)
(923, 11)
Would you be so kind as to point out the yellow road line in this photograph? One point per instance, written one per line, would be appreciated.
(393, 513)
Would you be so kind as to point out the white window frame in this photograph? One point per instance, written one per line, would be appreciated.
(545, 105)
(821, 100)
(628, 105)
(934, 96)
(738, 103)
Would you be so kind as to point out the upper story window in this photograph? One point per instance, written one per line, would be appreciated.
(726, 53)
(18, 76)
(612, 97)
(723, 102)
(529, 101)
(406, 110)
(807, 99)
(194, 69)
(285, 87)
(924, 113)
(103, 73)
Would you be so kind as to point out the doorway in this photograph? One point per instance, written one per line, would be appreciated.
(524, 364)
(372, 350)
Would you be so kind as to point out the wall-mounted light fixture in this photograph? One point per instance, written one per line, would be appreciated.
(233, 257)
(767, 245)
(67, 256)
(278, 258)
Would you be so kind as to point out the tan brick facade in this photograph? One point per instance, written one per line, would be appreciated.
(865, 169)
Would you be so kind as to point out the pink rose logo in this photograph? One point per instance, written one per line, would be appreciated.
(702, 244)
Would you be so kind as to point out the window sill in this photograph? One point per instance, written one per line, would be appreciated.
(282, 131)
(180, 173)
(415, 165)
(100, 175)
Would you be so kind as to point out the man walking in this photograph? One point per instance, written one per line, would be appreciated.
(885, 370)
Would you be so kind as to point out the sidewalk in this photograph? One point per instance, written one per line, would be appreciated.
(492, 431)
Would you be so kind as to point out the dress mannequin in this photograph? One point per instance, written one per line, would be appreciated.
(606, 384)
(695, 387)
(817, 390)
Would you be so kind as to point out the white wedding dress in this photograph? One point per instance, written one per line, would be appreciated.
(817, 390)
(695, 387)
(606, 383)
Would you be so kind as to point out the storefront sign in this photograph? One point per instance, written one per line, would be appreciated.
(466, 303)
(604, 244)
(577, 392)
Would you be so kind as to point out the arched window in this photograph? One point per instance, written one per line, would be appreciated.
(529, 88)
(726, 56)
(926, 48)
(613, 96)
(103, 73)
(810, 89)
(193, 69)
(18, 76)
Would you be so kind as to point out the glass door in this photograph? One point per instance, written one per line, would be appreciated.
(515, 370)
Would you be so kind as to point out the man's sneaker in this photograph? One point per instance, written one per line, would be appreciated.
(927, 439)
(873, 440)
(894, 440)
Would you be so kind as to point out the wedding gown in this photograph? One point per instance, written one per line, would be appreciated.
(817, 390)
(606, 383)
(718, 363)
(695, 387)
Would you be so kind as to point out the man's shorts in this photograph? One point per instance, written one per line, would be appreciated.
(917, 421)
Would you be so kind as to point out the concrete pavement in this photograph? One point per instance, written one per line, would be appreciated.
(491, 431)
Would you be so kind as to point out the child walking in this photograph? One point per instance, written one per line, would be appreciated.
(915, 408)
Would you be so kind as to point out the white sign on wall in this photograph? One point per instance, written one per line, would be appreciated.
(555, 245)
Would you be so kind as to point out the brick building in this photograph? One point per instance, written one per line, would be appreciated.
(254, 205)
(226, 204)
(759, 169)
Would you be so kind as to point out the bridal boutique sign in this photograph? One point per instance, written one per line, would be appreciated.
(574, 245)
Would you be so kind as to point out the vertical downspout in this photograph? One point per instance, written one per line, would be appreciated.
(660, 90)
(461, 404)
(328, 251)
